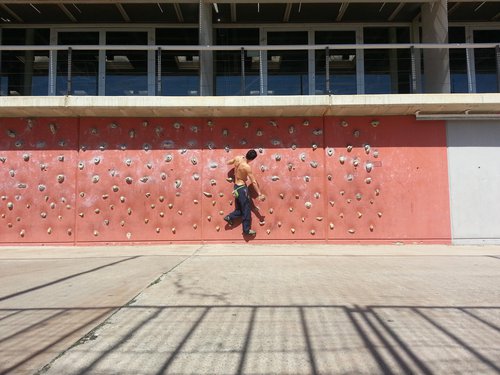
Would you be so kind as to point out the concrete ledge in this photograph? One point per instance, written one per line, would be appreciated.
(239, 106)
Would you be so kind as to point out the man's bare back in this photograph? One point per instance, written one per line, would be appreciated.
(243, 172)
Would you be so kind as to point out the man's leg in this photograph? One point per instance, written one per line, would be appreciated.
(246, 210)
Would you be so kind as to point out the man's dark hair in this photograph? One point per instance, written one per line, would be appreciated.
(252, 154)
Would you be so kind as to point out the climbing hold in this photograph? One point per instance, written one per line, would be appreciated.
(314, 146)
(213, 182)
(355, 162)
(275, 178)
(11, 133)
(349, 148)
(196, 176)
(49, 230)
(313, 232)
(168, 158)
(369, 167)
(329, 177)
(268, 231)
(246, 124)
(10, 205)
(259, 133)
(282, 195)
(368, 180)
(319, 218)
(122, 199)
(97, 211)
(22, 233)
(214, 203)
(367, 148)
(144, 179)
(358, 196)
(207, 194)
(317, 131)
(279, 224)
(332, 203)
(375, 154)
(179, 213)
(95, 179)
(344, 124)
(53, 128)
(41, 187)
(115, 188)
(163, 176)
(113, 125)
(60, 178)
(105, 196)
(379, 214)
(22, 186)
(277, 157)
(209, 218)
(377, 192)
(307, 178)
(60, 158)
(291, 129)
(292, 230)
(360, 215)
(317, 195)
(351, 231)
(129, 180)
(170, 205)
(371, 228)
(314, 164)
(225, 132)
(176, 125)
(290, 209)
(26, 157)
(342, 159)
(308, 204)
(293, 146)
(375, 123)
(178, 184)
(332, 226)
(305, 123)
(162, 214)
(271, 210)
(302, 156)
(12, 173)
(195, 226)
(273, 123)
(349, 177)
(330, 151)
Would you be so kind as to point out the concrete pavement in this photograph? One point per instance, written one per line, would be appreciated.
(252, 309)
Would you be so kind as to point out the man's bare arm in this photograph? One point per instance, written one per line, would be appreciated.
(254, 182)
(231, 162)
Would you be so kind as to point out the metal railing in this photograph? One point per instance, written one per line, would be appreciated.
(155, 74)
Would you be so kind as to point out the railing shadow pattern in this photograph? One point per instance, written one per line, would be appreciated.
(264, 339)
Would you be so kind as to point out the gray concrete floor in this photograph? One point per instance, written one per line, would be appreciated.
(251, 309)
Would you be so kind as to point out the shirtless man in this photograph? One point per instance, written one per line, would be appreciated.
(242, 172)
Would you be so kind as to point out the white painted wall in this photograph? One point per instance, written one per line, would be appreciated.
(474, 172)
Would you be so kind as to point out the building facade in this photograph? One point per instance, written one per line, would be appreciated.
(375, 122)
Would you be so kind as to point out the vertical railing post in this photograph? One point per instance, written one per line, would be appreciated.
(69, 88)
(158, 72)
(413, 70)
(243, 88)
(327, 70)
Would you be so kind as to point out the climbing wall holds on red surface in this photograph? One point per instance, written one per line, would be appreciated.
(389, 179)
(37, 180)
(289, 169)
(139, 180)
(101, 180)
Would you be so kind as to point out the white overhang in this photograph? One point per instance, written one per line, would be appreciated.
(259, 106)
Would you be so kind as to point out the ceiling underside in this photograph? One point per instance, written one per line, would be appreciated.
(187, 12)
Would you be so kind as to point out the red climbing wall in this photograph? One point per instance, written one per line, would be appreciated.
(117, 180)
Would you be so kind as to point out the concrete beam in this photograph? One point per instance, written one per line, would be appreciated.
(237, 106)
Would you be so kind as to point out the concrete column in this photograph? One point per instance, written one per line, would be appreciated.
(436, 61)
(206, 57)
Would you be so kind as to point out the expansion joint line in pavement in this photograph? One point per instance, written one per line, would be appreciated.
(91, 335)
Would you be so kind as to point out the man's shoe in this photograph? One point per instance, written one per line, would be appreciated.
(228, 220)
(251, 232)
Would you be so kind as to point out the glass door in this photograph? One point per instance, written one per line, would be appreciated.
(84, 66)
(485, 63)
(126, 70)
(287, 70)
(341, 78)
